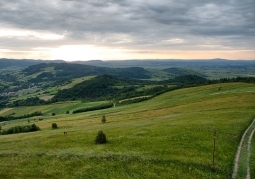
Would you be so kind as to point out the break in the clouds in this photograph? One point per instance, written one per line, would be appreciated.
(127, 29)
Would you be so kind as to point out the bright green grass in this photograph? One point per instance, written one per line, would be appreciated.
(76, 81)
(170, 136)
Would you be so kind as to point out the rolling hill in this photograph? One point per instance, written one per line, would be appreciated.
(169, 136)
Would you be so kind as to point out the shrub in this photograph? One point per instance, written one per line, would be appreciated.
(34, 128)
(53, 114)
(101, 138)
(103, 119)
(67, 112)
(54, 126)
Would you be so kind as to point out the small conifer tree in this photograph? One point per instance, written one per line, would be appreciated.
(103, 119)
(101, 138)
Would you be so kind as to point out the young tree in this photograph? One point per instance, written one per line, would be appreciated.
(34, 128)
(103, 119)
(101, 138)
(54, 126)
(53, 114)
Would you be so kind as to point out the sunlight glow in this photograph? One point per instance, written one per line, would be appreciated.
(76, 52)
(11, 33)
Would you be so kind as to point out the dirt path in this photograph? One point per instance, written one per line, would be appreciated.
(249, 153)
(243, 151)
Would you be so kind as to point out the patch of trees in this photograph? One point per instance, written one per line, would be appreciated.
(3, 101)
(187, 80)
(8, 77)
(28, 102)
(152, 92)
(45, 76)
(13, 85)
(100, 88)
(35, 68)
(93, 108)
(20, 129)
(10, 117)
(237, 79)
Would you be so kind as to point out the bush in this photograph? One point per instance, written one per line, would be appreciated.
(54, 126)
(101, 138)
(103, 119)
(34, 128)
(67, 112)
(53, 114)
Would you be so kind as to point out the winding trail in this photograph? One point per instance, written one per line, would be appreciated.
(243, 153)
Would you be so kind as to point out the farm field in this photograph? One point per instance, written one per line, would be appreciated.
(169, 136)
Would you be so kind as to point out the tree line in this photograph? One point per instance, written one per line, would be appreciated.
(93, 108)
(20, 129)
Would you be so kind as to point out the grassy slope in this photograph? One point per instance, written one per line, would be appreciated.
(170, 136)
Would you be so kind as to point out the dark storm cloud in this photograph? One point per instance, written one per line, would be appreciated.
(136, 23)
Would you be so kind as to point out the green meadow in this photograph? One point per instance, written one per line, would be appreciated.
(169, 136)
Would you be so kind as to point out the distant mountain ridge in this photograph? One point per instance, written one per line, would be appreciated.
(69, 70)
(5, 62)
(148, 63)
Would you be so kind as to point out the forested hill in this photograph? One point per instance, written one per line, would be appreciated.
(66, 70)
(100, 87)
(112, 87)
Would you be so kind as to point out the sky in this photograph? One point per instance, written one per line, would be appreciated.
(74, 30)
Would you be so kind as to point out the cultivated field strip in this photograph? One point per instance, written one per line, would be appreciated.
(241, 167)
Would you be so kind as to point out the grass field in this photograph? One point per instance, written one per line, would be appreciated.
(170, 136)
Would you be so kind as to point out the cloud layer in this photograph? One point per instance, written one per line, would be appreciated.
(131, 26)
